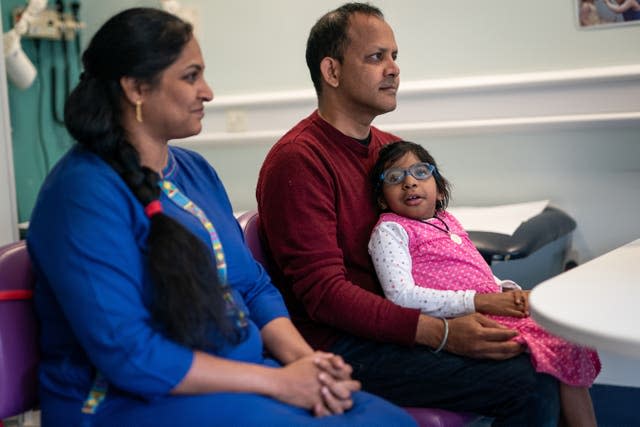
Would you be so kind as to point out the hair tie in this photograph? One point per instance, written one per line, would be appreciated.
(153, 208)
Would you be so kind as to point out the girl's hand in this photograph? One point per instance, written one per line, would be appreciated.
(513, 303)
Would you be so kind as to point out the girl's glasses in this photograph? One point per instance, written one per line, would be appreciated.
(420, 171)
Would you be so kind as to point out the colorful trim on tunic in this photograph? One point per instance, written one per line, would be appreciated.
(96, 395)
(188, 205)
(185, 203)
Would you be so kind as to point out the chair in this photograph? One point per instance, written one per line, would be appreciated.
(425, 417)
(18, 332)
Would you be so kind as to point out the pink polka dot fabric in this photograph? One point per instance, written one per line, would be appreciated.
(443, 264)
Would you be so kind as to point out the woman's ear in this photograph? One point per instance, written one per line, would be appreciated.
(330, 70)
(132, 89)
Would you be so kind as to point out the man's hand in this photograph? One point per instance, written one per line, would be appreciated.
(473, 335)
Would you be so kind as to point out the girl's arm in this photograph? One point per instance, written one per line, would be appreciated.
(389, 250)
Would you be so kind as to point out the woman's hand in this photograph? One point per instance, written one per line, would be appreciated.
(336, 395)
(336, 381)
(305, 383)
(298, 383)
(513, 303)
(318, 381)
(333, 365)
(337, 384)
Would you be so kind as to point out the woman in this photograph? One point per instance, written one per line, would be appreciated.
(152, 310)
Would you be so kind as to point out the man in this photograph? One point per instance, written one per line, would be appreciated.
(317, 211)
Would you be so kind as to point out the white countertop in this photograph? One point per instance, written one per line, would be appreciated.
(595, 304)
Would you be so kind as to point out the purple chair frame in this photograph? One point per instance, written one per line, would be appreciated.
(425, 417)
(18, 332)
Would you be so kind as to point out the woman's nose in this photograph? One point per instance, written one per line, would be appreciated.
(206, 93)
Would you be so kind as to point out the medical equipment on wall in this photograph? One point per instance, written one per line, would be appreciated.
(36, 21)
(20, 69)
(48, 35)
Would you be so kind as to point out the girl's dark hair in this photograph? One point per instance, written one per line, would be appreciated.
(328, 37)
(187, 302)
(393, 152)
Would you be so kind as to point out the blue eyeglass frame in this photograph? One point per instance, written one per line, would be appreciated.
(408, 171)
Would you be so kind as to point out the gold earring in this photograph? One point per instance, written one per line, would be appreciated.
(139, 111)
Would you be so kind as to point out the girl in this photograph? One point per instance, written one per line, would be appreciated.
(424, 259)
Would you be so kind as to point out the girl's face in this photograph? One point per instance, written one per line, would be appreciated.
(411, 198)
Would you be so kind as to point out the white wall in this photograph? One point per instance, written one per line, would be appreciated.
(570, 136)
(258, 45)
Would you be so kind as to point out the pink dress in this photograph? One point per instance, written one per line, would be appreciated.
(440, 263)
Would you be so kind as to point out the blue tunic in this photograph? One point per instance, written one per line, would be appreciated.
(87, 242)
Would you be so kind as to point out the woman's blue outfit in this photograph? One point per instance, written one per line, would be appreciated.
(87, 242)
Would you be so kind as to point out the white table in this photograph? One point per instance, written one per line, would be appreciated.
(595, 304)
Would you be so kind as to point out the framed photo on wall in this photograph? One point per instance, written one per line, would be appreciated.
(599, 13)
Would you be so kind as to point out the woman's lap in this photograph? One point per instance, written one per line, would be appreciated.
(220, 409)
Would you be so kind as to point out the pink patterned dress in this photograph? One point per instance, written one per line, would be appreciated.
(439, 262)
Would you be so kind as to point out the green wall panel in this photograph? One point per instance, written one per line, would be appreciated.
(38, 134)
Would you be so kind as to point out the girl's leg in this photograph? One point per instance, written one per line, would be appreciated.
(577, 408)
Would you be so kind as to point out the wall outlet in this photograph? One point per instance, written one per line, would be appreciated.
(236, 120)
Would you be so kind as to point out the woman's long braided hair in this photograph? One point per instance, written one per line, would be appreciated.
(187, 303)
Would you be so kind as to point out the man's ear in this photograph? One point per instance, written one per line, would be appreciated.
(132, 89)
(330, 70)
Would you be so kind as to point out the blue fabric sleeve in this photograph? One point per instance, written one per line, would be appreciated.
(262, 298)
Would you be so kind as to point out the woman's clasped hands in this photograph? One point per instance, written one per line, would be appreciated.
(320, 382)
